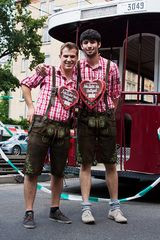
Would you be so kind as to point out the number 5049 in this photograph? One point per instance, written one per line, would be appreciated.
(136, 6)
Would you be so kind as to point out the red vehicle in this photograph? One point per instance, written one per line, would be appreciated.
(131, 37)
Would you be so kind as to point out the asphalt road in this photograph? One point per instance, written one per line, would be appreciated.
(143, 215)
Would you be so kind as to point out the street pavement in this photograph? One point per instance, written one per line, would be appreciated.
(143, 217)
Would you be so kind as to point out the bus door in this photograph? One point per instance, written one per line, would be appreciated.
(140, 112)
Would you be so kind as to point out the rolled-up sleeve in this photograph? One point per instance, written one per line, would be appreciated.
(115, 85)
(33, 81)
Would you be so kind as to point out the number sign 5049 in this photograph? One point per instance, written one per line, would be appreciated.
(136, 6)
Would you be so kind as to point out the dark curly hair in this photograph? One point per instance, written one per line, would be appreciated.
(90, 34)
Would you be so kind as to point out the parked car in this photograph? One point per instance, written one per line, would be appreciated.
(15, 145)
(14, 129)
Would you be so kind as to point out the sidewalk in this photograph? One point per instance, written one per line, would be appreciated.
(17, 178)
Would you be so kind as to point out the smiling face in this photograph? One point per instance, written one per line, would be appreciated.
(68, 58)
(90, 48)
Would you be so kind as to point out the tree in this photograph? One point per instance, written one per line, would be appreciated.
(18, 35)
(3, 110)
(7, 81)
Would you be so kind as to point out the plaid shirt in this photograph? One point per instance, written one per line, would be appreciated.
(57, 112)
(114, 88)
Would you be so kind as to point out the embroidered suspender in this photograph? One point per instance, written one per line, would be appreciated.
(79, 79)
(106, 78)
(53, 93)
(107, 74)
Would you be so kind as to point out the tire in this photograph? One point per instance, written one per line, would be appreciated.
(16, 150)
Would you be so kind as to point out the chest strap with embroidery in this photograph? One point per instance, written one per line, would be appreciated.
(53, 93)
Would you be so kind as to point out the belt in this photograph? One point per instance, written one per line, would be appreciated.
(86, 113)
(40, 118)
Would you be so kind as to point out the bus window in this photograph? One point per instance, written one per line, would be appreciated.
(112, 53)
(139, 76)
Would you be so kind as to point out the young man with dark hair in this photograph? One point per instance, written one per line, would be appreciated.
(100, 92)
(49, 129)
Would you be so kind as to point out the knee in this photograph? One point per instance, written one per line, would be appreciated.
(30, 178)
(110, 168)
(58, 173)
(86, 167)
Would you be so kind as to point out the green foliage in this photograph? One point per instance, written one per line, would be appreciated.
(4, 107)
(7, 81)
(23, 122)
(4, 110)
(18, 32)
(18, 36)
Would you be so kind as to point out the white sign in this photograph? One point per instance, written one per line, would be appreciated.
(98, 12)
(132, 6)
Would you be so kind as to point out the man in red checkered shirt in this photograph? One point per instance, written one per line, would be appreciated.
(100, 91)
(49, 129)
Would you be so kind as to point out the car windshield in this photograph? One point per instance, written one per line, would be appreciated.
(12, 139)
(16, 137)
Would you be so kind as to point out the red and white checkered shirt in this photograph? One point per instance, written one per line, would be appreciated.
(91, 74)
(57, 112)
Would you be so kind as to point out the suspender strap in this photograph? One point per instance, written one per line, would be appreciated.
(79, 79)
(107, 74)
(106, 92)
(53, 93)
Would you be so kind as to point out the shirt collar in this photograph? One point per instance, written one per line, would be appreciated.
(73, 79)
(99, 65)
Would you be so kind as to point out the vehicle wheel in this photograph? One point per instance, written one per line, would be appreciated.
(16, 150)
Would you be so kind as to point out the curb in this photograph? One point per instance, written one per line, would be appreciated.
(17, 178)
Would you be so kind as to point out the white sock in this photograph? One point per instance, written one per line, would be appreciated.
(114, 204)
(86, 206)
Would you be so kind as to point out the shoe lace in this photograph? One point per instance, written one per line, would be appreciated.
(29, 216)
(87, 213)
(59, 213)
(119, 211)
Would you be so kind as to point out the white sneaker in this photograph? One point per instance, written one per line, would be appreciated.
(87, 217)
(117, 216)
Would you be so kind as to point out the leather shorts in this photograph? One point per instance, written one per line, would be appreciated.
(47, 136)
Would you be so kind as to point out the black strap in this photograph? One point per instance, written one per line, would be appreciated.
(107, 74)
(53, 93)
(79, 79)
(106, 78)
